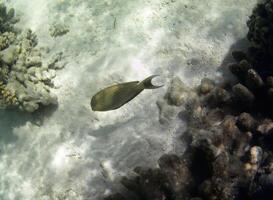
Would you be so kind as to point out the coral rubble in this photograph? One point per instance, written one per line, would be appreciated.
(57, 30)
(228, 156)
(25, 80)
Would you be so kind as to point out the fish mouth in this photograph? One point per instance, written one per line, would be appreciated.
(93, 109)
(93, 104)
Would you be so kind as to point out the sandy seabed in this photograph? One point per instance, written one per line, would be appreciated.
(80, 154)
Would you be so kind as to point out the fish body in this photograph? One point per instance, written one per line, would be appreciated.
(115, 96)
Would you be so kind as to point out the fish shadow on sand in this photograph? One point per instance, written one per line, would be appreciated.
(105, 131)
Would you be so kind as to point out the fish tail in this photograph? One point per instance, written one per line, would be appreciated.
(147, 83)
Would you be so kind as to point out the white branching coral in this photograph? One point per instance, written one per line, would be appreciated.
(26, 80)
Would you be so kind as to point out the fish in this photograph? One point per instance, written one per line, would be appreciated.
(115, 96)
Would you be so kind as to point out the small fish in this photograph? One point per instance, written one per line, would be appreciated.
(74, 156)
(115, 96)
